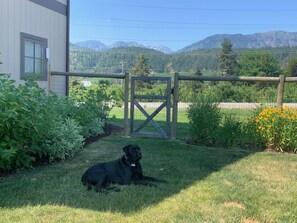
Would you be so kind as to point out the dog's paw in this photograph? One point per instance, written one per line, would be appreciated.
(114, 189)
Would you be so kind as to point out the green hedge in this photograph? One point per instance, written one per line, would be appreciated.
(36, 126)
(211, 127)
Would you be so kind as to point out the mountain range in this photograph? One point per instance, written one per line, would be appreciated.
(97, 45)
(256, 40)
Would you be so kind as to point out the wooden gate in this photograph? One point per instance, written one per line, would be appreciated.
(138, 86)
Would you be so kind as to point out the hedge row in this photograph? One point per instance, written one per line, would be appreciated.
(36, 126)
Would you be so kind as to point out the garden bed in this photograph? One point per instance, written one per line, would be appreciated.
(108, 129)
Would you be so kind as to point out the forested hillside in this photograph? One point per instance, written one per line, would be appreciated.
(256, 40)
(119, 60)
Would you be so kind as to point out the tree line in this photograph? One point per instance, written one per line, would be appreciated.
(210, 61)
(224, 61)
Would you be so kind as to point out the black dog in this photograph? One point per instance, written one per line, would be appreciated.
(125, 170)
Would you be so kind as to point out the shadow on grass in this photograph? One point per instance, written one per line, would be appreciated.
(181, 132)
(182, 165)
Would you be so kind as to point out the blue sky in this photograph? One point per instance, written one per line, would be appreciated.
(174, 23)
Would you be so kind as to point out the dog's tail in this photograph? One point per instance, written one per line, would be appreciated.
(153, 179)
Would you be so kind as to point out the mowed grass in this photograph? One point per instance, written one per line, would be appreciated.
(204, 185)
(183, 121)
(160, 118)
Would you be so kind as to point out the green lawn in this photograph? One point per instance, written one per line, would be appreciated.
(204, 185)
(160, 118)
(182, 127)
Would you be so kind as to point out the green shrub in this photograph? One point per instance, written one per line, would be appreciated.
(36, 126)
(100, 95)
(230, 92)
(90, 118)
(229, 134)
(204, 116)
(250, 138)
(21, 122)
(86, 114)
(95, 128)
(63, 140)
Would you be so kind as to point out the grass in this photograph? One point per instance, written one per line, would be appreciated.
(182, 114)
(182, 127)
(160, 118)
(204, 185)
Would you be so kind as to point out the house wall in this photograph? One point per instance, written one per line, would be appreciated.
(25, 16)
(63, 1)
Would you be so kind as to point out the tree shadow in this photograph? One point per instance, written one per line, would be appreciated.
(182, 130)
(180, 164)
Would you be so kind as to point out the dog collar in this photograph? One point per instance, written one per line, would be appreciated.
(132, 164)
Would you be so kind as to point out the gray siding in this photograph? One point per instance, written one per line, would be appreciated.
(62, 1)
(24, 16)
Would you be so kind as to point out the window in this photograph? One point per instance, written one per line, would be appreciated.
(33, 60)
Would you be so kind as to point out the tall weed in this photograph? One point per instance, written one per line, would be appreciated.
(205, 117)
(230, 131)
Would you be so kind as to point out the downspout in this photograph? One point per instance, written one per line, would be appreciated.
(67, 45)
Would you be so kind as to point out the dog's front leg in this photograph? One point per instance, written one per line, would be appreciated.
(102, 182)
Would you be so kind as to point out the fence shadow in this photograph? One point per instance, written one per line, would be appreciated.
(182, 165)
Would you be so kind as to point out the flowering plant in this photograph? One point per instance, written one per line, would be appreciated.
(278, 126)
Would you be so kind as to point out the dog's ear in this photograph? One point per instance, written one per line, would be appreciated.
(126, 149)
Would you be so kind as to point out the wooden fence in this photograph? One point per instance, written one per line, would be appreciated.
(177, 78)
(281, 80)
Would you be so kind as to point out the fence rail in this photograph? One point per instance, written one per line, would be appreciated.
(71, 74)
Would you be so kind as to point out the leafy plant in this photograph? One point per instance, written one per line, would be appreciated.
(64, 140)
(229, 134)
(36, 126)
(100, 96)
(250, 138)
(278, 126)
(259, 64)
(204, 116)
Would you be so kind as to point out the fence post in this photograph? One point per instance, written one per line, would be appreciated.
(175, 106)
(280, 90)
(126, 106)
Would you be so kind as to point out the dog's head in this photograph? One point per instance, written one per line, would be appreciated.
(132, 153)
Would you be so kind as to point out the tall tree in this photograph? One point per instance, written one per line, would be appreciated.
(228, 63)
(141, 68)
(292, 67)
(195, 87)
(258, 64)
